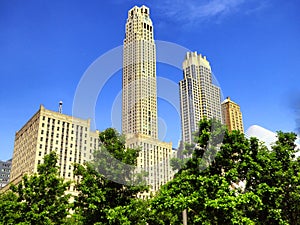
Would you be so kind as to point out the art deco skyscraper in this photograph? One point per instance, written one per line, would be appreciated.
(232, 115)
(139, 113)
(139, 109)
(199, 97)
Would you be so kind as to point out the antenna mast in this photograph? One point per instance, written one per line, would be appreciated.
(60, 107)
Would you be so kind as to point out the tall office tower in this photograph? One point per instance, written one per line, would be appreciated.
(5, 167)
(47, 131)
(199, 97)
(232, 115)
(139, 109)
(139, 113)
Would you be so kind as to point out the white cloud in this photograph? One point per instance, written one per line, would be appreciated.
(191, 11)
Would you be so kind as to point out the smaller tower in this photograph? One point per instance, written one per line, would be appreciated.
(232, 115)
(199, 96)
(60, 107)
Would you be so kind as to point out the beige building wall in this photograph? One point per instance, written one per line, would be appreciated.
(139, 99)
(48, 131)
(154, 159)
(232, 115)
(199, 97)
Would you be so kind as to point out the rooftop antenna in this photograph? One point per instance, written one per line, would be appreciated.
(60, 107)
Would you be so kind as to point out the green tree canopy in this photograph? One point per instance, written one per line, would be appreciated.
(102, 200)
(245, 183)
(39, 198)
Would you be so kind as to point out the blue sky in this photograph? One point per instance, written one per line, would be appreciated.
(46, 47)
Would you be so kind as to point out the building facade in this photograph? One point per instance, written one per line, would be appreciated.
(5, 167)
(154, 158)
(199, 97)
(232, 115)
(48, 131)
(139, 109)
(139, 99)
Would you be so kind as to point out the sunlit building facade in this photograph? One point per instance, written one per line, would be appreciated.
(139, 109)
(232, 115)
(71, 138)
(139, 99)
(199, 96)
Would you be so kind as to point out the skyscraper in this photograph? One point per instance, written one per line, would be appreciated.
(232, 115)
(139, 113)
(199, 97)
(139, 109)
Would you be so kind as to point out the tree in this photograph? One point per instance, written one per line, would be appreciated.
(245, 183)
(39, 198)
(8, 208)
(275, 178)
(136, 212)
(106, 195)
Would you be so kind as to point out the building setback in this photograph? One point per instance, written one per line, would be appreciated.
(232, 115)
(199, 97)
(139, 98)
(5, 167)
(48, 131)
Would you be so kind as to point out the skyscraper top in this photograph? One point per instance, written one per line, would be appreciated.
(137, 10)
(196, 59)
(194, 54)
(139, 25)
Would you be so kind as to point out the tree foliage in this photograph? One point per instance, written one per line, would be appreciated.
(8, 208)
(39, 198)
(227, 179)
(245, 183)
(101, 200)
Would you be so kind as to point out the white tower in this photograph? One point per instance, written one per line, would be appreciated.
(139, 109)
(139, 112)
